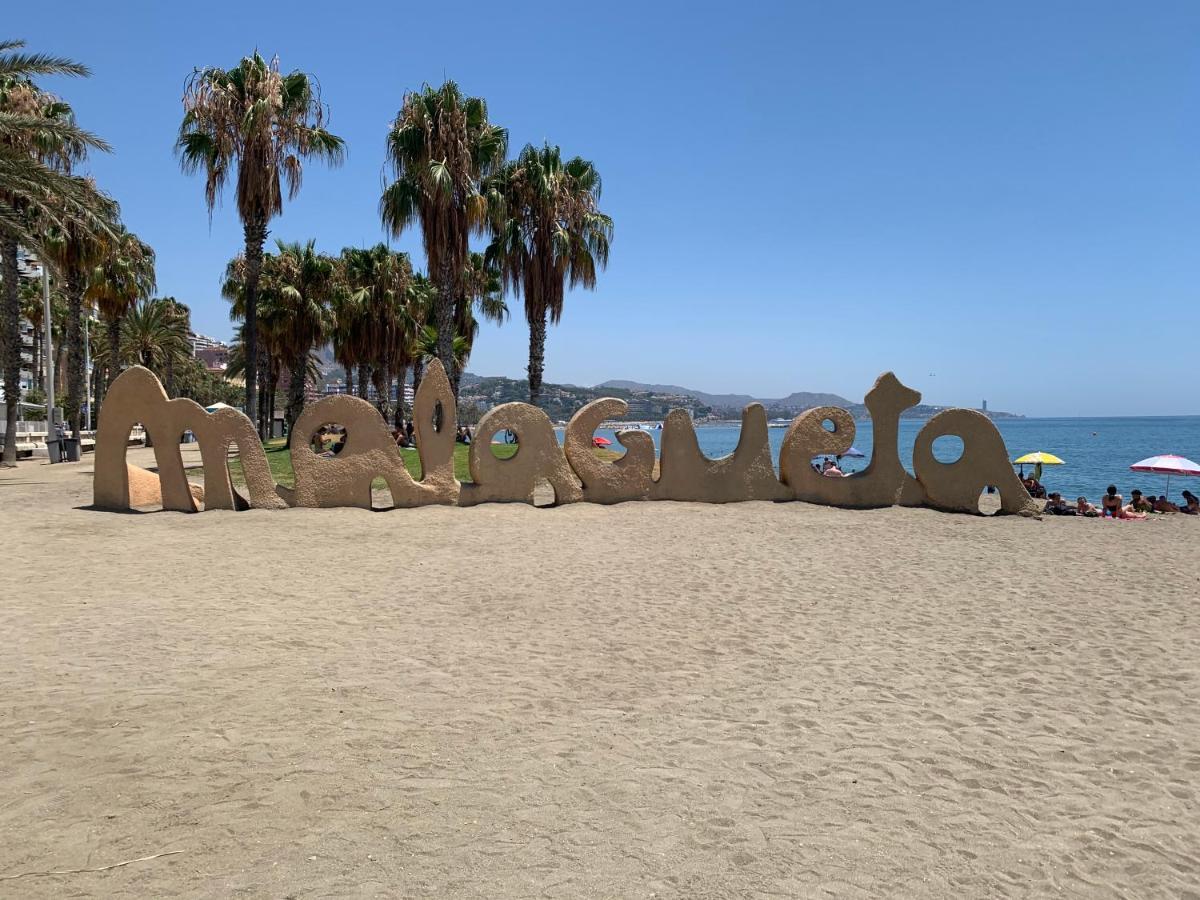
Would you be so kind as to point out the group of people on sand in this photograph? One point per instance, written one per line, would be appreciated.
(1036, 491)
(329, 440)
(829, 468)
(403, 434)
(1113, 505)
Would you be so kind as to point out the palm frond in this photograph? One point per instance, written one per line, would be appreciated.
(30, 64)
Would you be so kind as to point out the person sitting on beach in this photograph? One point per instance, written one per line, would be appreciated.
(318, 440)
(1057, 506)
(832, 471)
(1163, 505)
(1139, 504)
(1112, 502)
(1083, 508)
(1192, 507)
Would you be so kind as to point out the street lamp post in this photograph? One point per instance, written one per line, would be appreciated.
(51, 430)
(87, 371)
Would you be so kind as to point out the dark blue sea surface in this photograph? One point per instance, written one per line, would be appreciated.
(1098, 452)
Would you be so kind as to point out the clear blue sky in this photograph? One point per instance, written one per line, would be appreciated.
(993, 200)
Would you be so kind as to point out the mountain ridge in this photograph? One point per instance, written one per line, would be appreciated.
(798, 400)
(652, 401)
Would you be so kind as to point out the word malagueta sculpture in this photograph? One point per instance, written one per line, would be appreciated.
(573, 471)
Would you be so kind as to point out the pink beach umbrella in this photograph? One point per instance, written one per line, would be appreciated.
(1168, 464)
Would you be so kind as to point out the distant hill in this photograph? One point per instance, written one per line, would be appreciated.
(561, 401)
(722, 400)
(653, 401)
(731, 405)
(798, 401)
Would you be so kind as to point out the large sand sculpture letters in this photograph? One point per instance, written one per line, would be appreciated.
(573, 470)
(370, 452)
(137, 396)
(884, 482)
(687, 474)
(629, 478)
(984, 462)
(538, 456)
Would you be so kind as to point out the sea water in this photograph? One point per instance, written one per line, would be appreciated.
(1098, 452)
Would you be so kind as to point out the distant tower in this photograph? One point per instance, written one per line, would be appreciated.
(985, 406)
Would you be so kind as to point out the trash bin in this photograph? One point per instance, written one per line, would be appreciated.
(73, 449)
(52, 450)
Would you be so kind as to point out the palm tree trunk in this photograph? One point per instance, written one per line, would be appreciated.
(170, 374)
(74, 353)
(276, 374)
(537, 356)
(10, 345)
(362, 381)
(265, 401)
(445, 319)
(349, 379)
(381, 380)
(418, 374)
(256, 236)
(295, 400)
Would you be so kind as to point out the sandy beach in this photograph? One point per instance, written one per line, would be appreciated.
(655, 699)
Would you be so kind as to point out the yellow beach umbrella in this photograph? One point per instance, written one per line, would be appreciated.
(1039, 457)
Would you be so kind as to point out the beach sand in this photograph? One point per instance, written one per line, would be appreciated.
(654, 699)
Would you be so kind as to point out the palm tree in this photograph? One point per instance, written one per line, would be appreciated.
(377, 282)
(441, 145)
(483, 291)
(266, 124)
(425, 346)
(267, 325)
(422, 300)
(122, 274)
(181, 320)
(39, 142)
(304, 281)
(348, 326)
(75, 249)
(151, 336)
(548, 234)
